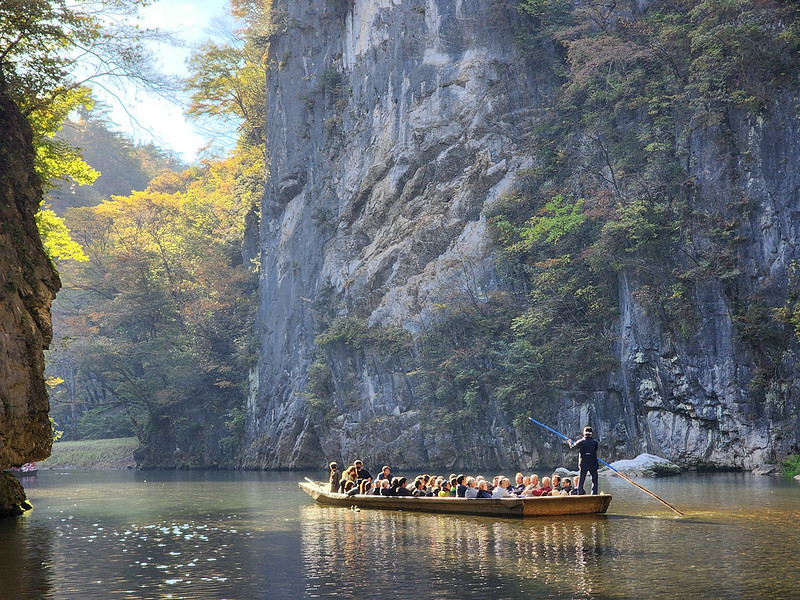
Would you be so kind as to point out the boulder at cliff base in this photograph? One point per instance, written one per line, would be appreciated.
(647, 465)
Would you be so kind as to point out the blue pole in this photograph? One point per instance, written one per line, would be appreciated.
(625, 477)
(609, 466)
(561, 435)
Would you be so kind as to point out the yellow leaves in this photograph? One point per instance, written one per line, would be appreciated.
(143, 217)
(57, 242)
(57, 433)
(52, 382)
(176, 236)
(171, 182)
(55, 159)
(48, 120)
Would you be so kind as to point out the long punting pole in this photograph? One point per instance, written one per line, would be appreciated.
(625, 477)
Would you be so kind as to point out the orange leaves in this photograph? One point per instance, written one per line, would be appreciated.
(601, 56)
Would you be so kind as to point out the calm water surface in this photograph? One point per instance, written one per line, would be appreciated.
(215, 535)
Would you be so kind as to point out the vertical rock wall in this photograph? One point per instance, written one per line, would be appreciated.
(28, 285)
(392, 126)
(693, 400)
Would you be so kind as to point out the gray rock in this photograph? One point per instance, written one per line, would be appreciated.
(646, 465)
(768, 469)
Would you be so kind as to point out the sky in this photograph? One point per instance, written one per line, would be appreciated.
(148, 118)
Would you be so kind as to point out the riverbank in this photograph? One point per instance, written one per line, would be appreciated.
(114, 453)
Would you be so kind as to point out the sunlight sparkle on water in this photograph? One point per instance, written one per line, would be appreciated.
(183, 545)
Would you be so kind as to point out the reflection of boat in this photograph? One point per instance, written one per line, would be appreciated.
(501, 507)
(25, 470)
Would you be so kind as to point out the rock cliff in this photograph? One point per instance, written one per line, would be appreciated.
(28, 284)
(393, 125)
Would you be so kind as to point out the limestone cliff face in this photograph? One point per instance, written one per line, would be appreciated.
(392, 126)
(28, 285)
(693, 401)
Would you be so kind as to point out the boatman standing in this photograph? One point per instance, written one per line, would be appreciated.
(587, 459)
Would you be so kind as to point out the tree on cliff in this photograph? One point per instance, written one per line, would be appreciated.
(227, 81)
(611, 195)
(50, 52)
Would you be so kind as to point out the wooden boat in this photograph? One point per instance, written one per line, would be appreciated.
(493, 507)
(26, 470)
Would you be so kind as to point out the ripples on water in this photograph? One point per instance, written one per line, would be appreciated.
(116, 535)
(255, 535)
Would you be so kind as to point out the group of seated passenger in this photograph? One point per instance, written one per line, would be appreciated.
(357, 480)
(549, 486)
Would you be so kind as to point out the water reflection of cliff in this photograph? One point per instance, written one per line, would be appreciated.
(26, 556)
(413, 554)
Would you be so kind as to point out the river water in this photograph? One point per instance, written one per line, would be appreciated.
(243, 536)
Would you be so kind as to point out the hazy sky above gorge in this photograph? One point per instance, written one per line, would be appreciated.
(149, 118)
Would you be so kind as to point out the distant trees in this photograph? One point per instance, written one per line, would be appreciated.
(153, 332)
(122, 166)
(153, 326)
(51, 50)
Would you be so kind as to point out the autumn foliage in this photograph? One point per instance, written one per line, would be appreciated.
(154, 330)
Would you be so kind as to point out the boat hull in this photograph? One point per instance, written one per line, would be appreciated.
(494, 507)
(26, 470)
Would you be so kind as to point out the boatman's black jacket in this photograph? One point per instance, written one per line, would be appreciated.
(587, 453)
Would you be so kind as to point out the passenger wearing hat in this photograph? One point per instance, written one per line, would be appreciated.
(335, 478)
(587, 459)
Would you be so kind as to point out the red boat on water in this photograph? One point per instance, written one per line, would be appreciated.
(25, 470)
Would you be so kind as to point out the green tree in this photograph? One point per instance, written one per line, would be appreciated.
(227, 79)
(58, 244)
(58, 161)
(161, 313)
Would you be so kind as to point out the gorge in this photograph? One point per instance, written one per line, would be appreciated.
(475, 212)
